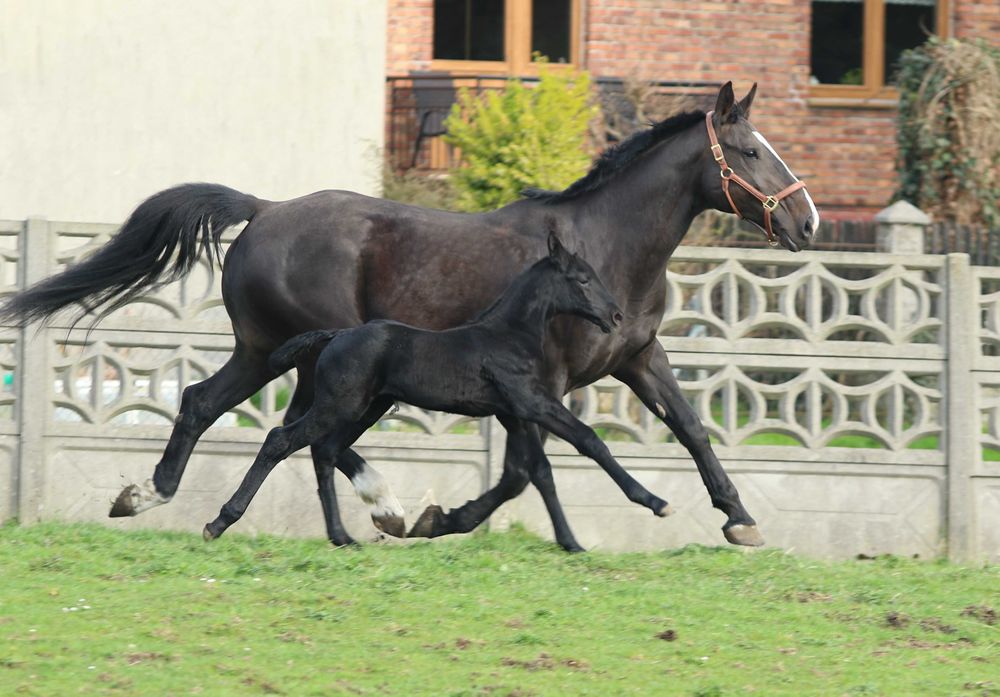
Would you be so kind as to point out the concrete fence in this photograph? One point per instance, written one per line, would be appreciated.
(854, 399)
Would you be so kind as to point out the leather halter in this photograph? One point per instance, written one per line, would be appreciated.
(769, 202)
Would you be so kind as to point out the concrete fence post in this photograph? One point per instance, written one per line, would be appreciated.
(962, 449)
(901, 229)
(34, 382)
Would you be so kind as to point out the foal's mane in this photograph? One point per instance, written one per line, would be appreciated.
(618, 157)
(520, 279)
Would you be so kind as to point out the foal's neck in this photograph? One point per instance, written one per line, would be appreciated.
(526, 306)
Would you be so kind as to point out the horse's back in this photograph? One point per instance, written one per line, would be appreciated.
(336, 259)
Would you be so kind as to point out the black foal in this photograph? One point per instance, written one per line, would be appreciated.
(493, 365)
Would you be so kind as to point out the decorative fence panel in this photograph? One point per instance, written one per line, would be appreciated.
(853, 398)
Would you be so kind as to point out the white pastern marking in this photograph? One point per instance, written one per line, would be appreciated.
(660, 410)
(145, 496)
(812, 206)
(370, 485)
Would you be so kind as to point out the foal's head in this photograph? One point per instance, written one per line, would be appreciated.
(573, 287)
(744, 157)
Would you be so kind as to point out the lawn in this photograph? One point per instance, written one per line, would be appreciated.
(86, 610)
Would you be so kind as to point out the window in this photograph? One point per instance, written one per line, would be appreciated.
(501, 36)
(856, 43)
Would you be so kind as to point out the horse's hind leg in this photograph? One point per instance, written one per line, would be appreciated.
(201, 404)
(434, 522)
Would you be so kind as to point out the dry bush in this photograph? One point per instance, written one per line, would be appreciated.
(949, 133)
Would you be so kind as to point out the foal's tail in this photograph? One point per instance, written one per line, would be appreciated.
(159, 243)
(283, 359)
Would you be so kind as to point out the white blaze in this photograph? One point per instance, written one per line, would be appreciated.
(812, 206)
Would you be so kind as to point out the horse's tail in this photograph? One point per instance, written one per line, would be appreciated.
(158, 244)
(283, 358)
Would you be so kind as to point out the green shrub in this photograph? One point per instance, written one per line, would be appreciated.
(948, 133)
(520, 137)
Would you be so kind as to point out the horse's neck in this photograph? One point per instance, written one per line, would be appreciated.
(630, 226)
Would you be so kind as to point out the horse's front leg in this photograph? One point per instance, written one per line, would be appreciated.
(651, 378)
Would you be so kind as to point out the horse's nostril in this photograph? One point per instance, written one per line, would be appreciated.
(617, 317)
(807, 230)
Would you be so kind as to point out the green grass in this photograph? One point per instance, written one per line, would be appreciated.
(86, 610)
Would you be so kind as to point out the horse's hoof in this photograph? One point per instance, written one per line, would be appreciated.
(429, 523)
(207, 533)
(665, 510)
(347, 541)
(573, 548)
(124, 505)
(135, 499)
(746, 535)
(390, 524)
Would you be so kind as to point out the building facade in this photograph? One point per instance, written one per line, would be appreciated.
(106, 102)
(824, 66)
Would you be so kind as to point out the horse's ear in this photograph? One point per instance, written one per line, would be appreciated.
(747, 101)
(557, 252)
(724, 104)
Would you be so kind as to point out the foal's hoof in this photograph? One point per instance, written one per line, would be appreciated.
(665, 510)
(429, 523)
(746, 535)
(390, 524)
(207, 534)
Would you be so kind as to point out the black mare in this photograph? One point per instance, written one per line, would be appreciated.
(492, 365)
(336, 259)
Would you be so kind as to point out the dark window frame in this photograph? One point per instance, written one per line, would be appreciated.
(874, 89)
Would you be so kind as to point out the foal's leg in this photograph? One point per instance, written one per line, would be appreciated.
(650, 376)
(300, 403)
(541, 476)
(551, 415)
(385, 509)
(279, 444)
(434, 521)
(201, 404)
(320, 422)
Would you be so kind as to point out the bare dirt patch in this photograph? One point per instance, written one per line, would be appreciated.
(983, 613)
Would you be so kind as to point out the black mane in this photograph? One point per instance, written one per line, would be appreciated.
(618, 157)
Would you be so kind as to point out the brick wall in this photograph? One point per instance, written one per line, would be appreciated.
(977, 19)
(846, 155)
(410, 36)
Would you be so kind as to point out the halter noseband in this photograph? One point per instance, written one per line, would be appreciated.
(769, 202)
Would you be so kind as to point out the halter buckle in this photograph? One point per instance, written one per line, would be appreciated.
(772, 241)
(717, 153)
(770, 203)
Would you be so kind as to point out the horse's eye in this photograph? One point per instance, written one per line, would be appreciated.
(583, 281)
(751, 152)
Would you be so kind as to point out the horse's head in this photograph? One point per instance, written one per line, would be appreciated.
(576, 289)
(745, 176)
